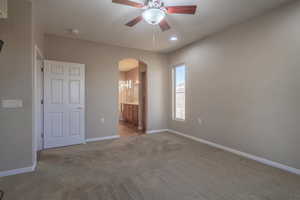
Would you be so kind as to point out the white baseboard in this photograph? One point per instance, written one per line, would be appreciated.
(18, 171)
(156, 131)
(243, 154)
(102, 138)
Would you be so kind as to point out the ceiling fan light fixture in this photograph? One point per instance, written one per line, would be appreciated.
(154, 15)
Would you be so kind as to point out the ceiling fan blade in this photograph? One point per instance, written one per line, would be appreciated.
(134, 21)
(181, 9)
(164, 25)
(129, 3)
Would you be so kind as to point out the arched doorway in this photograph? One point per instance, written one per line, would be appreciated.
(132, 97)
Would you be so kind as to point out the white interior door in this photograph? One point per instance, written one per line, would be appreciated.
(64, 106)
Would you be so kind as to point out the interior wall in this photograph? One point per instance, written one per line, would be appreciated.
(38, 28)
(102, 76)
(16, 83)
(244, 85)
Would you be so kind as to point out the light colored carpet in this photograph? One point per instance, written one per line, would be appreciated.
(149, 167)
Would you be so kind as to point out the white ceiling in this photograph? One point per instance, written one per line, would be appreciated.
(103, 21)
(128, 64)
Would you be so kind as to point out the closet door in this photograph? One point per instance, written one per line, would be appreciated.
(64, 104)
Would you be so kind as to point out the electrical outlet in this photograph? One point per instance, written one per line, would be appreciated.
(3, 9)
(102, 120)
(200, 122)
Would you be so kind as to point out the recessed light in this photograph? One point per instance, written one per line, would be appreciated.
(173, 38)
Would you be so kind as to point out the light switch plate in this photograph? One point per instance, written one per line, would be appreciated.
(12, 103)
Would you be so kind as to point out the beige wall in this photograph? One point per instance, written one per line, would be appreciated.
(38, 28)
(102, 75)
(16, 83)
(244, 83)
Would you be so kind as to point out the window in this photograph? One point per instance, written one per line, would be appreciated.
(179, 92)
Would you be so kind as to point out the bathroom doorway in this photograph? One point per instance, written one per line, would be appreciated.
(132, 97)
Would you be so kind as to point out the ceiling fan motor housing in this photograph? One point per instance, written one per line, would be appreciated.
(155, 4)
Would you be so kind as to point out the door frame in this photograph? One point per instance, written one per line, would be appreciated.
(144, 88)
(36, 105)
(144, 100)
(143, 96)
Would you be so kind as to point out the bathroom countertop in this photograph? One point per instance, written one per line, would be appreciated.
(130, 103)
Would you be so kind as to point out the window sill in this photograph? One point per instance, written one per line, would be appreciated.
(179, 120)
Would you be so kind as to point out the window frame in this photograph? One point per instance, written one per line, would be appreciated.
(174, 92)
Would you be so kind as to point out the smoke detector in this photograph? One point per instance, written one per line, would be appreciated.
(3, 9)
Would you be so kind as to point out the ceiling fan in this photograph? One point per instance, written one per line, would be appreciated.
(155, 12)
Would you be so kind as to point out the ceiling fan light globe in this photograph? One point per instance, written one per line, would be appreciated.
(154, 15)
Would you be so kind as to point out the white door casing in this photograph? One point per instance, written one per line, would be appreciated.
(37, 108)
(64, 104)
(40, 107)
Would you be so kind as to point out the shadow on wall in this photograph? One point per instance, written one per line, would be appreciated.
(1, 45)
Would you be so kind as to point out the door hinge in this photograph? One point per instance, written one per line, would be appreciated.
(42, 69)
(42, 101)
(42, 135)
